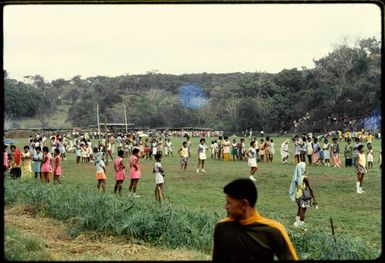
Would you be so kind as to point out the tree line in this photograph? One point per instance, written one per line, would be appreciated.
(342, 88)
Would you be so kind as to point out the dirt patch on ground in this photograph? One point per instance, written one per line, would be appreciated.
(87, 246)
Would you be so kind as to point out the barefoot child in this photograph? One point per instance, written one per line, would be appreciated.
(120, 175)
(159, 180)
(134, 171)
(56, 166)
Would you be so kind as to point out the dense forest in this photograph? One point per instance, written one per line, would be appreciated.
(341, 90)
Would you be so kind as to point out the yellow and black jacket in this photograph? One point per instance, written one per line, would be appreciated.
(252, 239)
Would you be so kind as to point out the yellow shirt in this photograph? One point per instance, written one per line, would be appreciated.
(300, 187)
(184, 152)
(361, 159)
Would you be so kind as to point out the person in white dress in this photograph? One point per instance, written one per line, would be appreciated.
(159, 178)
(202, 148)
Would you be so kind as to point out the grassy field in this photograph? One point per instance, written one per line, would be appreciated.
(356, 217)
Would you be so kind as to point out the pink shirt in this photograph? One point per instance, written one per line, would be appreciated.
(46, 166)
(5, 162)
(119, 170)
(134, 174)
(56, 165)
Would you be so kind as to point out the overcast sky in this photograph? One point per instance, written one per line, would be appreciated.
(61, 41)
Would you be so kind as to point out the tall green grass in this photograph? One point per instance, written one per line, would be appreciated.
(160, 225)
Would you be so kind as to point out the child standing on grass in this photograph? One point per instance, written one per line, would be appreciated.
(46, 167)
(370, 156)
(361, 168)
(100, 170)
(134, 172)
(234, 150)
(37, 158)
(251, 154)
(183, 153)
(26, 171)
(202, 148)
(326, 153)
(159, 180)
(336, 153)
(120, 175)
(77, 151)
(56, 166)
(212, 149)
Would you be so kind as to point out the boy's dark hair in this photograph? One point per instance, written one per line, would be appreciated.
(157, 156)
(251, 143)
(202, 140)
(45, 149)
(184, 143)
(136, 150)
(360, 147)
(242, 189)
(38, 148)
(26, 147)
(121, 152)
(57, 151)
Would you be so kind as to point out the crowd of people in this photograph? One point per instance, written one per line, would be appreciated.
(42, 157)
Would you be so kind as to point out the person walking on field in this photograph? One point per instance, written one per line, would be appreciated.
(336, 153)
(159, 179)
(26, 171)
(348, 153)
(120, 174)
(183, 153)
(262, 149)
(285, 151)
(299, 184)
(361, 168)
(309, 150)
(100, 170)
(202, 148)
(326, 153)
(251, 153)
(234, 150)
(134, 172)
(226, 148)
(370, 156)
(246, 236)
(268, 150)
(316, 152)
(46, 167)
(56, 170)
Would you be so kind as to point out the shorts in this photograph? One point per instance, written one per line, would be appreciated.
(302, 203)
(361, 170)
(101, 176)
(184, 161)
(159, 178)
(252, 162)
(202, 156)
